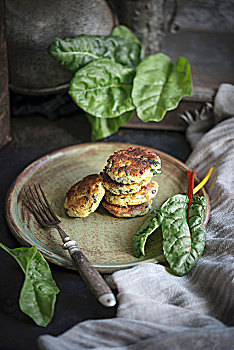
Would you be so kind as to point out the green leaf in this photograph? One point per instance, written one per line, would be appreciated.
(103, 88)
(103, 127)
(124, 32)
(140, 237)
(183, 243)
(74, 53)
(38, 294)
(159, 85)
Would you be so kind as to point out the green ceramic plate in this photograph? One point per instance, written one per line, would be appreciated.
(104, 239)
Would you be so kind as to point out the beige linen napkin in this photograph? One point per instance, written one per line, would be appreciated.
(158, 310)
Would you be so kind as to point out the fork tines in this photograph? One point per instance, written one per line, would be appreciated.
(40, 206)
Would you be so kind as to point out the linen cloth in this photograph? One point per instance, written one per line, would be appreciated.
(158, 310)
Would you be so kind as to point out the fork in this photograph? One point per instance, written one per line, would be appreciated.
(46, 217)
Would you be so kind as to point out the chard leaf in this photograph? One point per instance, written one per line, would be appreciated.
(159, 85)
(38, 294)
(183, 243)
(140, 237)
(103, 88)
(103, 127)
(74, 53)
(124, 32)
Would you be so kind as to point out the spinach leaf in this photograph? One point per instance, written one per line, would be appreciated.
(124, 32)
(103, 88)
(159, 85)
(183, 243)
(38, 294)
(139, 239)
(103, 127)
(74, 53)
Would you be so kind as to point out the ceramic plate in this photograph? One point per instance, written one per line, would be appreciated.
(104, 239)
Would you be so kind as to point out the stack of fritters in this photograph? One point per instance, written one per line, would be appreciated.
(126, 183)
(127, 179)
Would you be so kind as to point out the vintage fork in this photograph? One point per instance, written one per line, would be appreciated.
(46, 217)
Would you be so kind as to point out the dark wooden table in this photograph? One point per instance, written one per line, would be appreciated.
(33, 137)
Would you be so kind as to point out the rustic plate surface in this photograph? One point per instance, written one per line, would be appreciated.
(104, 239)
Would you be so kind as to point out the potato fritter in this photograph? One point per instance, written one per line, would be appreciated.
(127, 212)
(119, 188)
(146, 193)
(132, 165)
(85, 196)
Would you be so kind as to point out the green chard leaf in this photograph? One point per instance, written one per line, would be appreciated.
(103, 127)
(103, 88)
(183, 243)
(140, 237)
(159, 85)
(38, 294)
(74, 53)
(124, 32)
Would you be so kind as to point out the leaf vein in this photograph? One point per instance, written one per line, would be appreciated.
(102, 87)
(76, 53)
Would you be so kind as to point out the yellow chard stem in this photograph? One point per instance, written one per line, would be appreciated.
(204, 181)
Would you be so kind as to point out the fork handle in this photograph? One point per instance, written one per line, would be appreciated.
(93, 279)
(90, 275)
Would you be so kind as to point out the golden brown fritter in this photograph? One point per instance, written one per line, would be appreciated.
(127, 212)
(132, 165)
(85, 196)
(146, 193)
(119, 188)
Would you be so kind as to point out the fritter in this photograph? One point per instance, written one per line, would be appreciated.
(127, 212)
(132, 165)
(85, 196)
(146, 193)
(119, 188)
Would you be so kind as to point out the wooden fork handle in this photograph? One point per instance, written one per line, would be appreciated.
(90, 275)
(93, 279)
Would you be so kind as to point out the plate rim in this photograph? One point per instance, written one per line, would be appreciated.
(102, 267)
